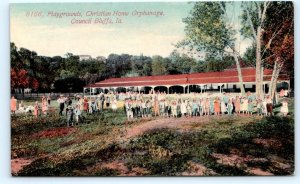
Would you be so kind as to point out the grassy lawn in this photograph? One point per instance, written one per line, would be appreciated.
(237, 145)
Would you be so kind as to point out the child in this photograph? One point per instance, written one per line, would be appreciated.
(161, 107)
(284, 108)
(211, 106)
(36, 109)
(264, 107)
(129, 111)
(133, 108)
(44, 106)
(148, 107)
(166, 110)
(223, 107)
(91, 104)
(69, 112)
(107, 101)
(94, 106)
(48, 99)
(13, 105)
(114, 105)
(250, 107)
(206, 107)
(61, 102)
(194, 108)
(183, 109)
(217, 106)
(138, 108)
(244, 106)
(237, 105)
(86, 105)
(189, 108)
(174, 109)
(156, 107)
(259, 107)
(143, 109)
(229, 107)
(77, 114)
(22, 108)
(201, 107)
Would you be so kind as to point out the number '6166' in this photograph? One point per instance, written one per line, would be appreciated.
(34, 14)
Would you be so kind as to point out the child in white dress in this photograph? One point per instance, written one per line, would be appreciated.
(284, 108)
(114, 105)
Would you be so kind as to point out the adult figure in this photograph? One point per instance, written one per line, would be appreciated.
(13, 105)
(61, 102)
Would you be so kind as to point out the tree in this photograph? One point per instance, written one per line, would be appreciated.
(23, 74)
(18, 78)
(182, 63)
(279, 47)
(66, 74)
(146, 71)
(208, 29)
(257, 18)
(158, 66)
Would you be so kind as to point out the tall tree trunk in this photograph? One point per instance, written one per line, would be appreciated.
(238, 67)
(273, 83)
(258, 73)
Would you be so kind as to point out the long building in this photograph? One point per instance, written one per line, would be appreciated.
(223, 81)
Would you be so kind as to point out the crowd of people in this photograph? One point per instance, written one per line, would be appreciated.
(139, 105)
(161, 104)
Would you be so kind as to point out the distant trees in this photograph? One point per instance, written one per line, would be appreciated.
(69, 74)
(159, 66)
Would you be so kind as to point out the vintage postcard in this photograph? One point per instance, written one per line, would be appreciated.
(152, 88)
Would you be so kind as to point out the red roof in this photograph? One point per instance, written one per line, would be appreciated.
(226, 76)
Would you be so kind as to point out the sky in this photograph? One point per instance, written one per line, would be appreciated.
(147, 35)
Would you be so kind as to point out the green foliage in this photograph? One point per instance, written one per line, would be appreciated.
(160, 152)
(280, 129)
(216, 64)
(206, 27)
(208, 30)
(249, 57)
(159, 66)
(253, 8)
(182, 63)
(219, 137)
(66, 74)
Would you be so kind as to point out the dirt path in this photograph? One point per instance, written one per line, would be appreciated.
(183, 124)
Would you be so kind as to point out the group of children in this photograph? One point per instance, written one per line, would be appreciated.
(85, 105)
(138, 105)
(160, 104)
(35, 110)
